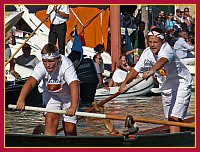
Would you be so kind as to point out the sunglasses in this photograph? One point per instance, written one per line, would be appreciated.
(99, 58)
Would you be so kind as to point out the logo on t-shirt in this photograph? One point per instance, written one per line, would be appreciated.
(53, 86)
(162, 72)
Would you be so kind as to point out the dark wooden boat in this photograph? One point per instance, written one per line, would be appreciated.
(183, 139)
(156, 137)
(13, 89)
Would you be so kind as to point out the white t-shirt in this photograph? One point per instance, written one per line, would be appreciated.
(69, 47)
(29, 62)
(182, 47)
(64, 74)
(173, 74)
(119, 75)
(55, 18)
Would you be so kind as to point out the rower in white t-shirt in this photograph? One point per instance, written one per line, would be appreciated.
(174, 78)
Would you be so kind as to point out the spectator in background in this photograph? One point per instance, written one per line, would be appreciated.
(119, 75)
(158, 23)
(188, 19)
(58, 27)
(138, 39)
(26, 59)
(178, 19)
(182, 48)
(163, 17)
(70, 43)
(128, 21)
(169, 23)
(98, 61)
(10, 39)
(99, 48)
(183, 22)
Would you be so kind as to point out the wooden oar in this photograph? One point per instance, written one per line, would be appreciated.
(133, 83)
(28, 38)
(108, 116)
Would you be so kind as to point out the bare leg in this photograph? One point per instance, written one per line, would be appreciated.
(174, 129)
(51, 123)
(69, 129)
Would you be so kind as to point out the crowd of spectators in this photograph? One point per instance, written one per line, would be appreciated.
(173, 25)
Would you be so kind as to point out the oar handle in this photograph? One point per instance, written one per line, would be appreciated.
(113, 117)
(136, 81)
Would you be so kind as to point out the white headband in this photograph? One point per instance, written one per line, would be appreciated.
(50, 55)
(154, 33)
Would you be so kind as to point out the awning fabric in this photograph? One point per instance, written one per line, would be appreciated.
(95, 21)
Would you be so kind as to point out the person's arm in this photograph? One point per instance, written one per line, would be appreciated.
(61, 13)
(188, 46)
(28, 86)
(100, 80)
(131, 75)
(130, 52)
(74, 92)
(158, 65)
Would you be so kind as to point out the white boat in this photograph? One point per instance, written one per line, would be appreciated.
(12, 19)
(190, 64)
(141, 88)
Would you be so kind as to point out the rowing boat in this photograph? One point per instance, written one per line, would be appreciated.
(182, 139)
(156, 137)
(13, 89)
(141, 88)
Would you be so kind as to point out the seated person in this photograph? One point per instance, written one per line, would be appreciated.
(76, 54)
(70, 43)
(26, 59)
(182, 48)
(98, 61)
(119, 75)
(10, 39)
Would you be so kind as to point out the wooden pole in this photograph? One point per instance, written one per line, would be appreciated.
(108, 116)
(115, 34)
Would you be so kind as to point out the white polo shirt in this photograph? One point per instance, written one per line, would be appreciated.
(55, 18)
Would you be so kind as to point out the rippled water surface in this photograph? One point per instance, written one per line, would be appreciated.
(146, 107)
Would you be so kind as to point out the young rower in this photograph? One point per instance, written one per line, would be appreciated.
(174, 79)
(60, 89)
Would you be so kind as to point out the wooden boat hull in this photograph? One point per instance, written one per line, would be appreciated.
(183, 139)
(12, 92)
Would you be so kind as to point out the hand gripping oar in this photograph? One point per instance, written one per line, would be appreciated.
(108, 116)
(28, 38)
